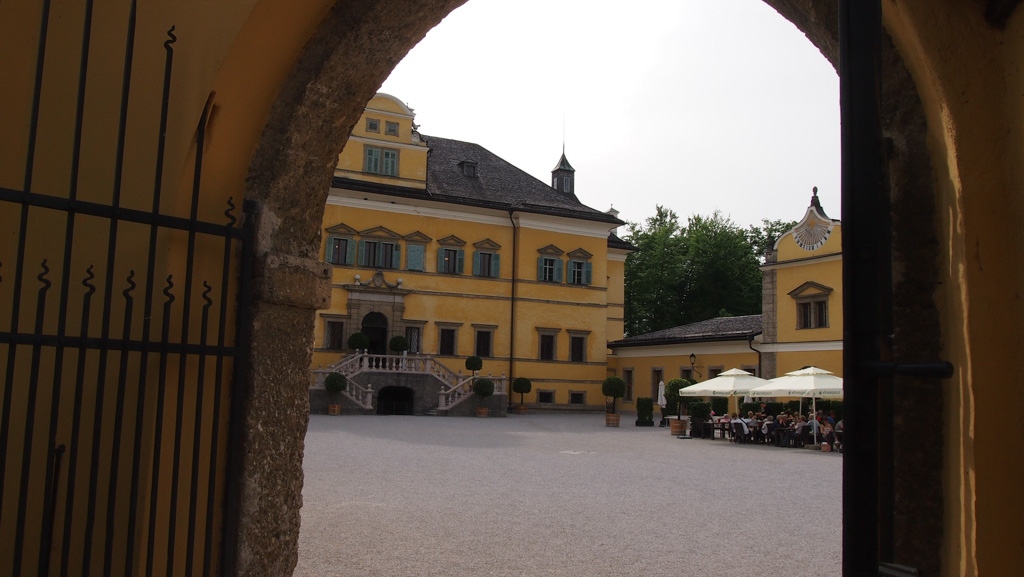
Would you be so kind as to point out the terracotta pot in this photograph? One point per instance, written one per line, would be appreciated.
(520, 409)
(333, 409)
(611, 420)
(482, 412)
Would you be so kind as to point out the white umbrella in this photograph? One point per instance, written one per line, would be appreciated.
(661, 394)
(731, 383)
(807, 382)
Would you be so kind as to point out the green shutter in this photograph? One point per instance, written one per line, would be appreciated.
(362, 253)
(476, 263)
(495, 265)
(460, 261)
(558, 270)
(540, 268)
(588, 273)
(350, 257)
(414, 257)
(440, 259)
(372, 160)
(330, 249)
(396, 256)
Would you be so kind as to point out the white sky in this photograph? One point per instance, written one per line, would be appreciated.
(696, 105)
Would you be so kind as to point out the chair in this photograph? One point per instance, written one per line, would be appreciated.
(738, 435)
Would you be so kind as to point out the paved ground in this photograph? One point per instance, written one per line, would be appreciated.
(539, 495)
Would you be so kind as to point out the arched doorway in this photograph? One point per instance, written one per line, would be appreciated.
(395, 401)
(375, 326)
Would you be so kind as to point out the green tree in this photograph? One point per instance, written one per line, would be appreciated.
(720, 271)
(652, 273)
(762, 238)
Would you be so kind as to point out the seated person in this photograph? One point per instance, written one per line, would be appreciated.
(743, 426)
(827, 434)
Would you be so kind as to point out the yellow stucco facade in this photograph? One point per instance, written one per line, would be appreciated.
(553, 331)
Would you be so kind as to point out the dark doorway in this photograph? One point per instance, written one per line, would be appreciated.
(394, 401)
(375, 326)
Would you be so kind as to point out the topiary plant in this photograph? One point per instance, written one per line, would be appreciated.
(358, 341)
(483, 388)
(645, 409)
(474, 364)
(521, 385)
(615, 388)
(672, 405)
(335, 382)
(398, 344)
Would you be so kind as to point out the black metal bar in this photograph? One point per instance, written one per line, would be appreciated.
(197, 433)
(132, 345)
(865, 242)
(30, 419)
(229, 530)
(115, 213)
(217, 393)
(937, 369)
(19, 265)
(76, 422)
(161, 395)
(69, 234)
(50, 509)
(115, 451)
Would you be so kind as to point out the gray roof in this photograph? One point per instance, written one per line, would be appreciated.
(717, 329)
(497, 184)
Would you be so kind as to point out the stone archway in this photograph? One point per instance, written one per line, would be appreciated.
(395, 401)
(290, 173)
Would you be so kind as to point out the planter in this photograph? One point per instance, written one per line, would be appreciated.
(677, 427)
(611, 420)
(644, 423)
(333, 409)
(520, 409)
(482, 412)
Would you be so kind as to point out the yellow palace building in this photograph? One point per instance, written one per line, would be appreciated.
(801, 322)
(451, 247)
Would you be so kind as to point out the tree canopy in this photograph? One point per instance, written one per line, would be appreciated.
(684, 274)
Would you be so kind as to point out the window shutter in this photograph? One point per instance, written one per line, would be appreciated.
(440, 259)
(362, 253)
(558, 270)
(460, 261)
(414, 257)
(476, 262)
(396, 256)
(329, 253)
(588, 273)
(350, 257)
(540, 268)
(495, 265)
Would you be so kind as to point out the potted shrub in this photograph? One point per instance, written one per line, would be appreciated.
(358, 341)
(614, 388)
(483, 388)
(521, 385)
(674, 406)
(644, 412)
(699, 413)
(334, 383)
(398, 344)
(474, 364)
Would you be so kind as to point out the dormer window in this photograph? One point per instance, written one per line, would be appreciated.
(468, 168)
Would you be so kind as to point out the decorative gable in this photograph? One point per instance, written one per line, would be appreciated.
(452, 240)
(580, 254)
(380, 232)
(551, 250)
(341, 229)
(487, 244)
(810, 289)
(417, 237)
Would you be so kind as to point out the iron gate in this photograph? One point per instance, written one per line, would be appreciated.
(121, 338)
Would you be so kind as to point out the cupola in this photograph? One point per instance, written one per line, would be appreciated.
(563, 177)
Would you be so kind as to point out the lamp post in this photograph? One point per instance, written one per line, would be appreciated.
(693, 361)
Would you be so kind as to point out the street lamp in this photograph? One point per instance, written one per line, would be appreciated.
(693, 361)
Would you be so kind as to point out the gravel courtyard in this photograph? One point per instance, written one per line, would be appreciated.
(537, 495)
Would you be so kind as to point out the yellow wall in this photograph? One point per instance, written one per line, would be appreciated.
(794, 267)
(412, 165)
